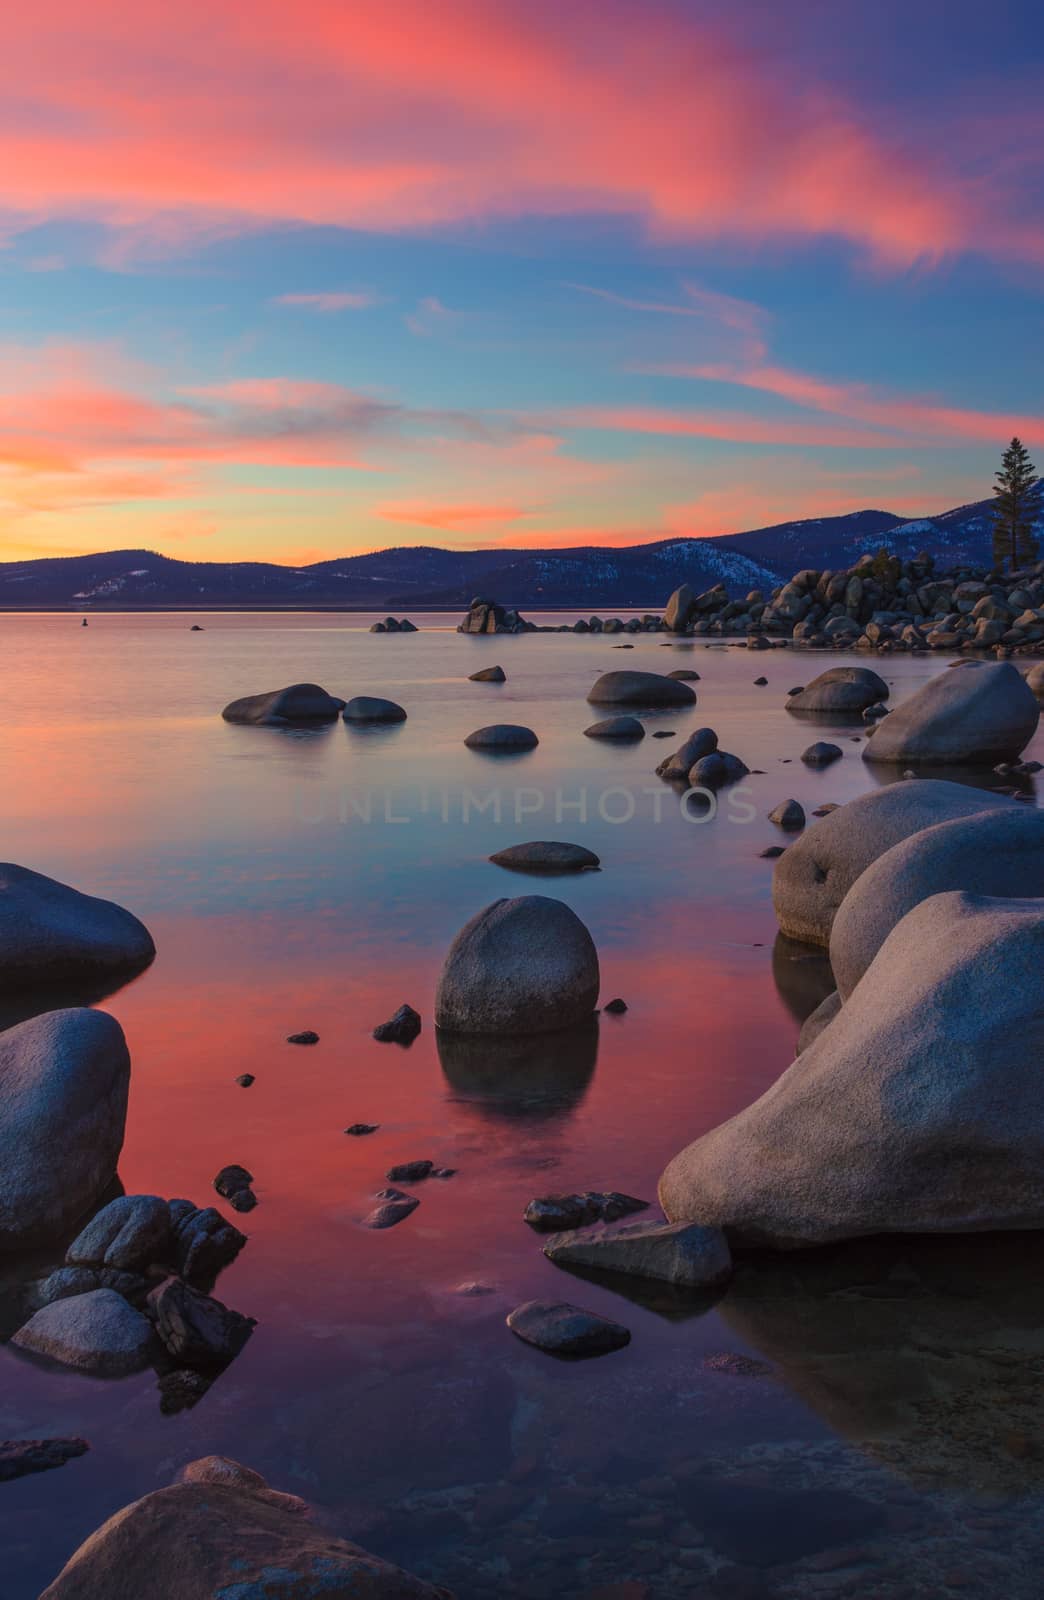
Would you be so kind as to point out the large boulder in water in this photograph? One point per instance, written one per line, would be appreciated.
(502, 737)
(679, 609)
(918, 1110)
(63, 1104)
(980, 713)
(224, 1535)
(520, 966)
(812, 877)
(997, 852)
(279, 708)
(51, 933)
(640, 689)
(840, 689)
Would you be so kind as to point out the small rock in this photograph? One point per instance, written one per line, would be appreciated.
(243, 1200)
(684, 675)
(196, 1329)
(789, 814)
(358, 1129)
(557, 1212)
(566, 1330)
(772, 852)
(488, 675)
(616, 728)
(821, 754)
(245, 1079)
(205, 1242)
(19, 1457)
(309, 1036)
(402, 1028)
(759, 683)
(230, 1180)
(546, 855)
(443, 1172)
(389, 1212)
(410, 1171)
(615, 1008)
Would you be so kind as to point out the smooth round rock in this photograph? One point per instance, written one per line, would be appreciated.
(565, 1330)
(979, 715)
(715, 770)
(684, 675)
(640, 689)
(97, 1332)
(502, 736)
(371, 708)
(681, 1253)
(299, 702)
(843, 689)
(519, 967)
(616, 728)
(675, 768)
(546, 855)
(821, 754)
(50, 933)
(488, 675)
(789, 814)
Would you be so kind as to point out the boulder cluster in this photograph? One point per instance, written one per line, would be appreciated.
(394, 625)
(486, 616)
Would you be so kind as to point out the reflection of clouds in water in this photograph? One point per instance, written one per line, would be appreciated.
(802, 975)
(927, 1352)
(539, 1079)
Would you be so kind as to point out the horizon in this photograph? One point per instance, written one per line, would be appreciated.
(504, 277)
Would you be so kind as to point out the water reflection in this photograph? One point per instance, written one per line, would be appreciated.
(540, 1077)
(926, 1352)
(802, 975)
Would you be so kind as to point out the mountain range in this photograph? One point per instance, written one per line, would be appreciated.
(427, 578)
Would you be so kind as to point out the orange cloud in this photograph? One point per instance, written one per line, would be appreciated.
(409, 114)
(451, 518)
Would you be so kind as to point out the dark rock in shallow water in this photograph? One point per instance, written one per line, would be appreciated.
(370, 708)
(19, 1457)
(502, 736)
(358, 1129)
(308, 1036)
(789, 814)
(130, 1233)
(717, 769)
(772, 852)
(245, 1079)
(488, 675)
(519, 967)
(676, 768)
(402, 1028)
(682, 1253)
(566, 1330)
(409, 1171)
(51, 933)
(204, 1242)
(231, 1179)
(300, 702)
(391, 1211)
(197, 1330)
(546, 855)
(684, 675)
(640, 689)
(243, 1200)
(616, 728)
(97, 1333)
(760, 683)
(821, 754)
(555, 1213)
(615, 1008)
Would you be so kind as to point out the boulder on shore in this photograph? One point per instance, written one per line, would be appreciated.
(997, 852)
(65, 1076)
(299, 702)
(841, 689)
(918, 1110)
(224, 1535)
(50, 933)
(812, 878)
(97, 1333)
(519, 967)
(546, 855)
(980, 714)
(640, 689)
(371, 708)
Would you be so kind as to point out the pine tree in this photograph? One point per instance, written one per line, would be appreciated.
(1015, 501)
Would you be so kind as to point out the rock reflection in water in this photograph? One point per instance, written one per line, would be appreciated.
(533, 1078)
(802, 975)
(928, 1353)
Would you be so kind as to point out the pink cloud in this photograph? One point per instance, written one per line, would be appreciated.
(330, 300)
(452, 518)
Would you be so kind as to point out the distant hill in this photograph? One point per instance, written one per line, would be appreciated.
(591, 577)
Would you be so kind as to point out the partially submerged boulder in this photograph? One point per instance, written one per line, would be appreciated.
(616, 728)
(488, 675)
(918, 1110)
(97, 1333)
(685, 1254)
(676, 767)
(299, 702)
(223, 1535)
(565, 1330)
(980, 714)
(812, 878)
(848, 690)
(996, 852)
(520, 966)
(501, 736)
(715, 770)
(131, 1233)
(65, 1076)
(546, 855)
(640, 689)
(50, 933)
(371, 708)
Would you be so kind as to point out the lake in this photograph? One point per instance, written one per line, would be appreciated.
(864, 1421)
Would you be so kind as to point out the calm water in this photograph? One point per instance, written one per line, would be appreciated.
(884, 1436)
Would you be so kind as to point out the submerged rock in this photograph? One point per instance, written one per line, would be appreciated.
(223, 1535)
(565, 1330)
(502, 736)
(640, 689)
(300, 702)
(546, 855)
(555, 1213)
(370, 708)
(50, 933)
(19, 1457)
(616, 728)
(402, 1028)
(390, 1211)
(682, 1253)
(65, 1076)
(520, 966)
(97, 1333)
(917, 1110)
(843, 689)
(818, 870)
(410, 1171)
(979, 714)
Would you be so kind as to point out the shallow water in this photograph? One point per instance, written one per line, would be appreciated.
(883, 1439)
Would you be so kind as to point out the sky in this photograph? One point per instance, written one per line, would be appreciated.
(286, 282)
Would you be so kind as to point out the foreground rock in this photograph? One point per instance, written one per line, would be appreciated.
(717, 769)
(616, 728)
(20, 1457)
(894, 1120)
(502, 736)
(979, 714)
(546, 855)
(65, 1077)
(565, 1330)
(224, 1535)
(554, 1212)
(97, 1333)
(131, 1234)
(371, 708)
(815, 874)
(841, 689)
(675, 768)
(682, 1253)
(197, 1330)
(300, 702)
(488, 675)
(997, 852)
(51, 933)
(640, 689)
(520, 966)
(402, 1028)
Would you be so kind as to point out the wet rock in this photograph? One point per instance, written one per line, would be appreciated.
(676, 768)
(65, 1076)
(980, 714)
(130, 1233)
(760, 683)
(20, 1457)
(245, 1079)
(840, 689)
(821, 754)
(716, 770)
(615, 1008)
(410, 1171)
(789, 814)
(488, 675)
(307, 1036)
(771, 852)
(557, 1213)
(616, 728)
(520, 966)
(204, 1242)
(640, 689)
(97, 1333)
(371, 708)
(226, 1536)
(402, 1028)
(546, 855)
(359, 1129)
(231, 1180)
(566, 1330)
(502, 736)
(197, 1330)
(391, 1211)
(50, 933)
(682, 1253)
(300, 702)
